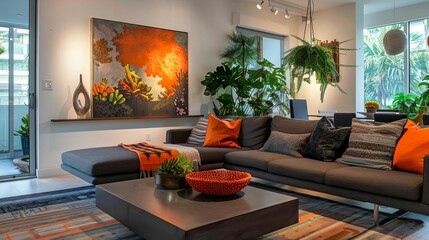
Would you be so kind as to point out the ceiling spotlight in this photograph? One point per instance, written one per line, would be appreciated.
(274, 10)
(259, 6)
(287, 15)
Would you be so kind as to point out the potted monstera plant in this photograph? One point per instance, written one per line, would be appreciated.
(171, 173)
(244, 85)
(410, 104)
(24, 132)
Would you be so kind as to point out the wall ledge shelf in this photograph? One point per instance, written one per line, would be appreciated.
(122, 118)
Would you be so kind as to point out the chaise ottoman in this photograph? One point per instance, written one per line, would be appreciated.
(102, 164)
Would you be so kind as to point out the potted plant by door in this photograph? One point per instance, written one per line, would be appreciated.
(171, 173)
(24, 132)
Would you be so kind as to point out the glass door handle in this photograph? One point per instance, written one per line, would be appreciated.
(32, 100)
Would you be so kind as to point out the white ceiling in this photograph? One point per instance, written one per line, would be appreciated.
(370, 6)
(16, 11)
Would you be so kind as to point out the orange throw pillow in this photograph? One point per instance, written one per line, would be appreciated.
(222, 133)
(412, 148)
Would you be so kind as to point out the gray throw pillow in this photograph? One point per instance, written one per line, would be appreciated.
(372, 145)
(285, 143)
(198, 133)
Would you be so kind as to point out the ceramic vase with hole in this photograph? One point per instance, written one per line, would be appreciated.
(81, 109)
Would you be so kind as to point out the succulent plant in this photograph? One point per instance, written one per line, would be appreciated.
(176, 166)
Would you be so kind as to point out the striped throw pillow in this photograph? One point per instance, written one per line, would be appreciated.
(372, 145)
(198, 133)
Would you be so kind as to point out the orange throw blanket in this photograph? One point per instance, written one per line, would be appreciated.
(151, 156)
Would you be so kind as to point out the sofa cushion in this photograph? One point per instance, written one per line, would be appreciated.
(292, 126)
(254, 131)
(372, 145)
(253, 159)
(289, 144)
(212, 154)
(326, 143)
(395, 184)
(102, 161)
(303, 168)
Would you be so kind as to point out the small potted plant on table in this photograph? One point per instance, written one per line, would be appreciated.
(171, 173)
(372, 106)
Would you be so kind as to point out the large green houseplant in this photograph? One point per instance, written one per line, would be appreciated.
(238, 89)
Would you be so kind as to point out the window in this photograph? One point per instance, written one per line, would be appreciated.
(385, 75)
(270, 46)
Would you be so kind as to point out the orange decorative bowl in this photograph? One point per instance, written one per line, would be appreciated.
(218, 182)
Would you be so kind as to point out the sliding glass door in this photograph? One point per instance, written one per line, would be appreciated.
(16, 90)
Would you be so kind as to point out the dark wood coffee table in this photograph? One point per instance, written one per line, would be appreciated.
(186, 214)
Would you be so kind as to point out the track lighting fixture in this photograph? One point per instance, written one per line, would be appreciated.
(276, 6)
(287, 15)
(274, 10)
(259, 6)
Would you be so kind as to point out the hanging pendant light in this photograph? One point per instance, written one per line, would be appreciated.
(395, 40)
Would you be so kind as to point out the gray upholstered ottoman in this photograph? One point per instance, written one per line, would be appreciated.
(102, 165)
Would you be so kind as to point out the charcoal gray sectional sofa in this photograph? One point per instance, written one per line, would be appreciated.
(397, 189)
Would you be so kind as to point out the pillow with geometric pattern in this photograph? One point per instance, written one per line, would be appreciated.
(372, 145)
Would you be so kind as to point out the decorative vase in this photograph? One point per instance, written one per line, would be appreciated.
(170, 181)
(80, 109)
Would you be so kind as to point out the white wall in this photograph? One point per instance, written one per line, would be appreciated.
(413, 12)
(64, 53)
(336, 23)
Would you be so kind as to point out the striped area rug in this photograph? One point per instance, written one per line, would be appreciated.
(73, 215)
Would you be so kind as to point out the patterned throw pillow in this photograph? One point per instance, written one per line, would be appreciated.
(326, 142)
(198, 133)
(285, 143)
(372, 145)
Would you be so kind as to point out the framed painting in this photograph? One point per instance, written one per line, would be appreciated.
(335, 46)
(138, 70)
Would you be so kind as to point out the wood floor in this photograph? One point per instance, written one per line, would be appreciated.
(35, 185)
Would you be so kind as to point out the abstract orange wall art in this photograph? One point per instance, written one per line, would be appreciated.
(138, 70)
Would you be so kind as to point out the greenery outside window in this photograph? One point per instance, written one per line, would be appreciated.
(385, 75)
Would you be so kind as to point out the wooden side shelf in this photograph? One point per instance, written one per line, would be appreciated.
(122, 118)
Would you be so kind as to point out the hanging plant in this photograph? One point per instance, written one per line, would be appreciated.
(311, 60)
